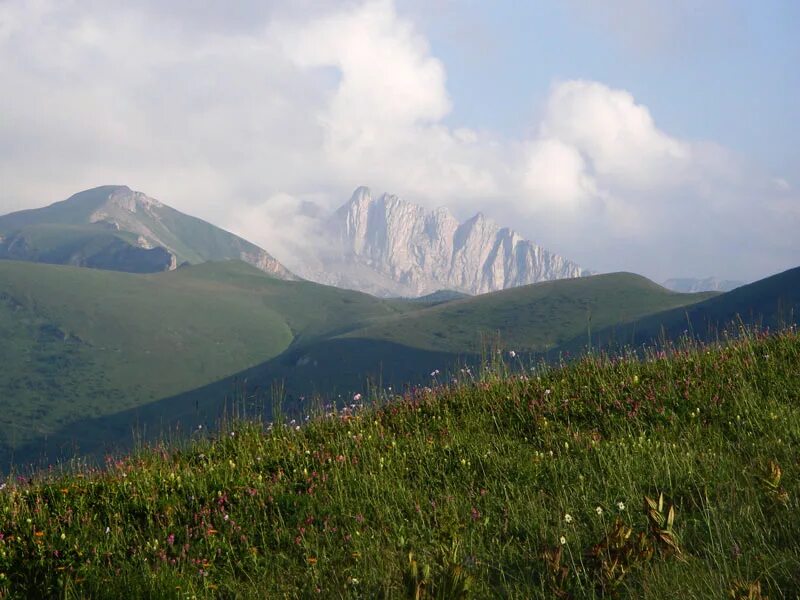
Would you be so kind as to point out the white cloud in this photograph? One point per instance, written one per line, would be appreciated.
(616, 134)
(557, 176)
(244, 118)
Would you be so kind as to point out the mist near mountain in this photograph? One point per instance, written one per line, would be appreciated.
(707, 284)
(387, 246)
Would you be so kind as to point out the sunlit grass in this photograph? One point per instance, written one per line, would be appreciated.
(517, 482)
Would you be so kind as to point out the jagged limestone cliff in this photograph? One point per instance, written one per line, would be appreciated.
(389, 247)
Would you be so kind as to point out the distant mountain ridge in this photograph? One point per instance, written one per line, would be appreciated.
(387, 246)
(689, 285)
(113, 227)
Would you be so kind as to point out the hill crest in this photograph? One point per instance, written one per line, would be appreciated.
(121, 227)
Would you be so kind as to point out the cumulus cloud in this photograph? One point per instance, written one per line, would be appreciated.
(263, 119)
(618, 135)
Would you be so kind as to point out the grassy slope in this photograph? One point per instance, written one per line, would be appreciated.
(158, 350)
(84, 342)
(531, 318)
(477, 480)
(773, 302)
(86, 245)
(48, 240)
(73, 211)
(192, 239)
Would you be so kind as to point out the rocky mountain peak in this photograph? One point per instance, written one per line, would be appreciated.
(164, 236)
(392, 247)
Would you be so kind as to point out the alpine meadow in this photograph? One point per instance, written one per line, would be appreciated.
(399, 299)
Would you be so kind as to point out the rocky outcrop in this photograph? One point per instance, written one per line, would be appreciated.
(389, 247)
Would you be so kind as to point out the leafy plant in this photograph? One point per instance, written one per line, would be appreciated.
(771, 484)
(452, 582)
(660, 520)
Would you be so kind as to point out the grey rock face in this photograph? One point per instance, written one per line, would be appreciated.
(389, 247)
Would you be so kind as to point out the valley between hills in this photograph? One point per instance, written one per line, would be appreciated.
(243, 413)
(125, 319)
(91, 356)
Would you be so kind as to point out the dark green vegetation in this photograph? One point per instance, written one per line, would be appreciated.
(515, 483)
(770, 303)
(440, 297)
(90, 355)
(80, 343)
(113, 227)
(534, 318)
(83, 245)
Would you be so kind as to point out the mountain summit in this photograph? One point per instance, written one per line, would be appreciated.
(390, 247)
(113, 227)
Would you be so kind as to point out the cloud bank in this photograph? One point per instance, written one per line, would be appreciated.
(260, 119)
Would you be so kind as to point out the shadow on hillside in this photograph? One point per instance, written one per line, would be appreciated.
(769, 304)
(328, 372)
(336, 369)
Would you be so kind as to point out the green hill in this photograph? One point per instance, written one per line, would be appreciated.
(81, 343)
(533, 318)
(93, 354)
(84, 245)
(440, 297)
(114, 227)
(769, 303)
(656, 479)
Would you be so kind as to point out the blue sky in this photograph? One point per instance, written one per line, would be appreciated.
(657, 137)
(723, 71)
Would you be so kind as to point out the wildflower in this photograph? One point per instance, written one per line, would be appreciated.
(357, 397)
(108, 530)
(547, 392)
(635, 379)
(621, 506)
(63, 536)
(599, 510)
(563, 540)
(568, 518)
(512, 354)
